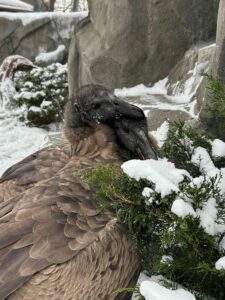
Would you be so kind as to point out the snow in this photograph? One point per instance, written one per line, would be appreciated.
(197, 181)
(15, 5)
(29, 95)
(160, 133)
(147, 194)
(218, 148)
(165, 176)
(141, 90)
(189, 89)
(180, 95)
(208, 216)
(50, 57)
(202, 159)
(17, 140)
(166, 259)
(208, 213)
(182, 208)
(7, 90)
(27, 18)
(154, 291)
(46, 103)
(35, 109)
(209, 46)
(220, 264)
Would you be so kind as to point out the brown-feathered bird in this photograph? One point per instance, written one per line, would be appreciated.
(54, 242)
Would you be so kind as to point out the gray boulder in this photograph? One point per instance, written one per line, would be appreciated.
(126, 42)
(31, 33)
(212, 125)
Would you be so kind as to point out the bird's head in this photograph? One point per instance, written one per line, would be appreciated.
(94, 104)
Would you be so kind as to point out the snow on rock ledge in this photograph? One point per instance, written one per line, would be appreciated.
(46, 58)
(186, 76)
(27, 33)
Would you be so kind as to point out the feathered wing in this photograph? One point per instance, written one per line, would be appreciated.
(39, 166)
(48, 224)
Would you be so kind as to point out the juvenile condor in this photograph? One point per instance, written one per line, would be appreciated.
(54, 242)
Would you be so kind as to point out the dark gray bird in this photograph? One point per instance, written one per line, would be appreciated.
(54, 242)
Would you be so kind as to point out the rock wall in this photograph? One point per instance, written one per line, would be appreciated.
(186, 78)
(214, 126)
(126, 42)
(28, 34)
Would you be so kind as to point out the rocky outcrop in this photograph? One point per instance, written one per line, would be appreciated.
(124, 42)
(213, 125)
(28, 34)
(190, 68)
(186, 79)
(218, 67)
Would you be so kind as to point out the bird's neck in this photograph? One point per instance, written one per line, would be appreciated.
(97, 143)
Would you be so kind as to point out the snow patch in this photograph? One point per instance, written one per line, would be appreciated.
(27, 18)
(208, 216)
(50, 57)
(182, 208)
(220, 264)
(218, 148)
(202, 159)
(166, 259)
(158, 88)
(18, 141)
(189, 89)
(35, 109)
(29, 95)
(161, 133)
(162, 173)
(154, 291)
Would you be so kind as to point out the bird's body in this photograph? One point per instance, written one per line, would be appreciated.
(54, 242)
(38, 166)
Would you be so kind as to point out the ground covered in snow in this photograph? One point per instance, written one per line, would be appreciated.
(18, 140)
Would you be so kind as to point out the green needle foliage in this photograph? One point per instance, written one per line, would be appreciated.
(180, 144)
(156, 230)
(42, 93)
(115, 190)
(217, 90)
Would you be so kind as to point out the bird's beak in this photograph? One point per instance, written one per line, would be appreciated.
(143, 146)
(127, 110)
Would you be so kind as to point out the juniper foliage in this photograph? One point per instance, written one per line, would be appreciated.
(193, 250)
(43, 93)
(217, 90)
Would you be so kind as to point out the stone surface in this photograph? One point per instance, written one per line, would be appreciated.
(157, 116)
(213, 125)
(158, 108)
(28, 34)
(187, 73)
(127, 42)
